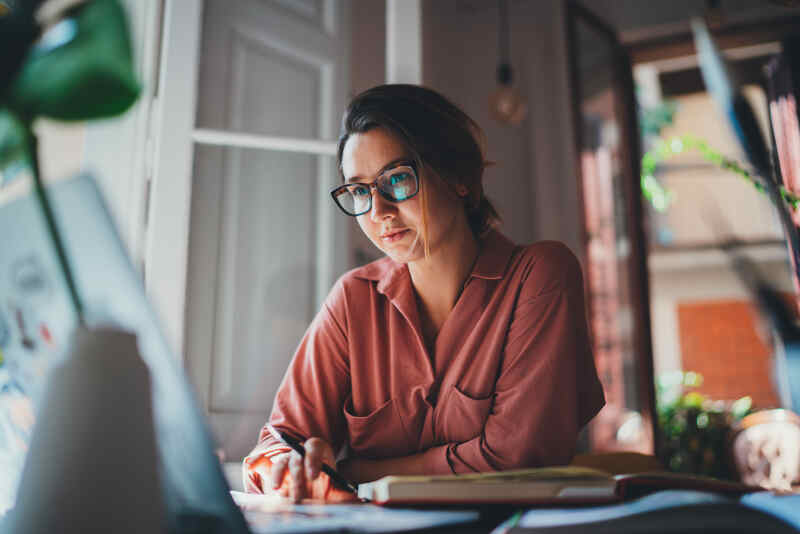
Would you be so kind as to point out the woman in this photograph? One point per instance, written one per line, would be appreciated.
(457, 352)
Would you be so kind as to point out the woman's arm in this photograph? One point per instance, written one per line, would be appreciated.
(360, 470)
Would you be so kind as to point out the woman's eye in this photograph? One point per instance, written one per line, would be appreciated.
(398, 178)
(360, 191)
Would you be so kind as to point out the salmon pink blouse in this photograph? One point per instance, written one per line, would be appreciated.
(508, 384)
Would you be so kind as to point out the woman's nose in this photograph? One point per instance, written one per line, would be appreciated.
(381, 208)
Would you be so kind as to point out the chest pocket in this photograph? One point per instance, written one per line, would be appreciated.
(461, 417)
(378, 434)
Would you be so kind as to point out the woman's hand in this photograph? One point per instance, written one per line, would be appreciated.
(297, 477)
(303, 471)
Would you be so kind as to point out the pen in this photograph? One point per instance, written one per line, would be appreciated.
(297, 446)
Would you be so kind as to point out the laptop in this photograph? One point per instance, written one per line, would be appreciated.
(36, 321)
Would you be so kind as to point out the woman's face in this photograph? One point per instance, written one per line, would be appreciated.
(396, 227)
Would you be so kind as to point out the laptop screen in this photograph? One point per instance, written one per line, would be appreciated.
(36, 321)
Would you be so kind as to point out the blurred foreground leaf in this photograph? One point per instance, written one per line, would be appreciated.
(81, 68)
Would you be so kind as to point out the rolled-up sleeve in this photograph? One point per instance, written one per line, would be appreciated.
(547, 388)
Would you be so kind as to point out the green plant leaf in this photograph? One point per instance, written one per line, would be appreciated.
(661, 198)
(692, 379)
(693, 400)
(81, 68)
(741, 407)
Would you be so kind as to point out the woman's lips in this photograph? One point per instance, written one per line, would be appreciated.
(392, 237)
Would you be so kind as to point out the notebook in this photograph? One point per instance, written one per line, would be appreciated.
(548, 485)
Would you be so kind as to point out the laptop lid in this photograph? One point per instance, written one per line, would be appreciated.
(36, 321)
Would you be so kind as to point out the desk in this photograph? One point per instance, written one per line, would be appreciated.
(672, 512)
(666, 512)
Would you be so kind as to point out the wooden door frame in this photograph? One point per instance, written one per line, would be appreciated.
(170, 191)
(733, 36)
(640, 292)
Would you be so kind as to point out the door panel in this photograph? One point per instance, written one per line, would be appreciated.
(266, 242)
(271, 92)
(311, 10)
(265, 289)
(264, 71)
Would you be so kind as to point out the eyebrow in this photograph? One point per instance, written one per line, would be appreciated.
(393, 163)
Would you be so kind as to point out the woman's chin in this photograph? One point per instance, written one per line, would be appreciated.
(402, 254)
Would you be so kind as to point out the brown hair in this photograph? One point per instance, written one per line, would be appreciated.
(439, 136)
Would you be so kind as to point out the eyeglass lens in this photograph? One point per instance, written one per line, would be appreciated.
(395, 185)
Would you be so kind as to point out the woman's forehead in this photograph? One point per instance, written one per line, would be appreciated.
(366, 154)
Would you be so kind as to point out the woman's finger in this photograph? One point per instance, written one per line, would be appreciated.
(278, 469)
(253, 482)
(256, 471)
(315, 455)
(298, 485)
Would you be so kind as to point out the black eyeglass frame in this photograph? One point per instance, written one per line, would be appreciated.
(374, 185)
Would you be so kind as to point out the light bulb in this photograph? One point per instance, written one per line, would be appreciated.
(507, 105)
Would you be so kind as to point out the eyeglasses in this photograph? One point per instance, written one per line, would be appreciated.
(395, 185)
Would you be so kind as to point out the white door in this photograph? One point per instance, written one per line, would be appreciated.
(265, 242)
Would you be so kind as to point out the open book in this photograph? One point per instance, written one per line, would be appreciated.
(547, 485)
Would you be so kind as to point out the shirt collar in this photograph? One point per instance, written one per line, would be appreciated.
(494, 256)
(493, 259)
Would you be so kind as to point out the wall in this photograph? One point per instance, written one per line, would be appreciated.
(689, 276)
(367, 69)
(460, 61)
(719, 340)
(367, 45)
(533, 183)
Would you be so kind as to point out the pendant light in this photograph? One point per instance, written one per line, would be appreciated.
(506, 104)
